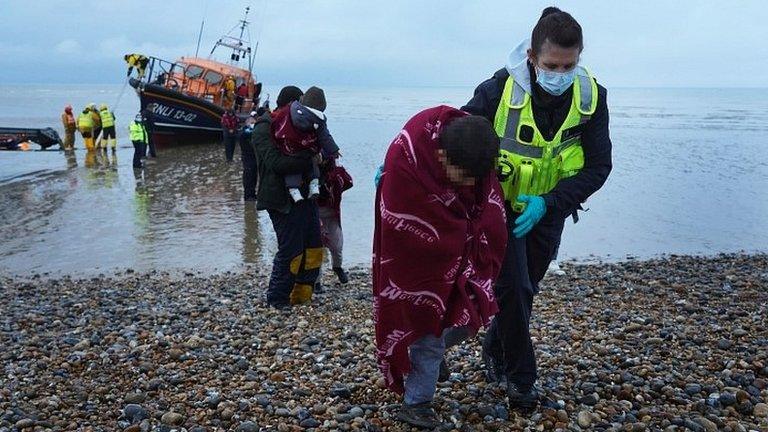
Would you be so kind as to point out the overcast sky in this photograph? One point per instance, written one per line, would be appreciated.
(653, 43)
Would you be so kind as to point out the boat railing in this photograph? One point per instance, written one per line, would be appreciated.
(162, 72)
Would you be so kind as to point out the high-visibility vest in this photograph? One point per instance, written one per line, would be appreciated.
(529, 164)
(135, 59)
(138, 132)
(107, 119)
(85, 122)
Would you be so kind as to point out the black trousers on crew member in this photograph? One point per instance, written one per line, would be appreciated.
(139, 148)
(250, 173)
(524, 266)
(230, 141)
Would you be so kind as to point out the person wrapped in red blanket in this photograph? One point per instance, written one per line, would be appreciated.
(439, 240)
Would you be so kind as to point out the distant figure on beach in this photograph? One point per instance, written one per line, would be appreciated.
(552, 118)
(137, 61)
(300, 130)
(335, 180)
(229, 131)
(240, 95)
(248, 158)
(438, 244)
(148, 119)
(109, 137)
(138, 135)
(70, 126)
(296, 265)
(96, 124)
(85, 126)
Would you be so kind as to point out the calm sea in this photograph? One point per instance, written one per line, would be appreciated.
(689, 177)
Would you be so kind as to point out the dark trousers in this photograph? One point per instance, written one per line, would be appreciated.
(139, 148)
(524, 266)
(299, 250)
(250, 174)
(149, 146)
(230, 141)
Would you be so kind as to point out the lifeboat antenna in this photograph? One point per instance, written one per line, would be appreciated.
(236, 44)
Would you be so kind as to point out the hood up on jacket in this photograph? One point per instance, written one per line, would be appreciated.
(306, 119)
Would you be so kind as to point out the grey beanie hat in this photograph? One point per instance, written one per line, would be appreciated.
(314, 98)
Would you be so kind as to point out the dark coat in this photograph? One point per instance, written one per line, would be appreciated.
(273, 166)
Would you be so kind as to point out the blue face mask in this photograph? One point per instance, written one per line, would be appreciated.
(555, 83)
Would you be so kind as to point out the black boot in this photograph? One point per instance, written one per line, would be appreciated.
(444, 373)
(341, 274)
(494, 367)
(420, 415)
(522, 398)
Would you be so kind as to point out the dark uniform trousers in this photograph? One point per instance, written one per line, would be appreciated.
(525, 264)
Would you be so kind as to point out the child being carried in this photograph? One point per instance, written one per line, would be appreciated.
(300, 130)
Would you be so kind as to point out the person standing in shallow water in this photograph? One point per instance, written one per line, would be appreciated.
(138, 135)
(70, 126)
(229, 129)
(549, 112)
(438, 243)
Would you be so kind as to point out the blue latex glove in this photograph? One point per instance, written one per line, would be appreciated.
(534, 211)
(377, 178)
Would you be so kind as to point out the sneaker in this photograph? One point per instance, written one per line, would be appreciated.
(554, 269)
(444, 373)
(341, 274)
(494, 367)
(314, 188)
(420, 415)
(295, 194)
(522, 398)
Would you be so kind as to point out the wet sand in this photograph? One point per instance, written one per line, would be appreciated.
(653, 345)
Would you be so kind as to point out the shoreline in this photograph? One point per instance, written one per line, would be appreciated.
(675, 341)
(265, 267)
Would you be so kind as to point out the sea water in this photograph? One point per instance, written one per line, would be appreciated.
(689, 177)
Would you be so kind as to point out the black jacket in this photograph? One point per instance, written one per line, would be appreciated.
(273, 166)
(549, 114)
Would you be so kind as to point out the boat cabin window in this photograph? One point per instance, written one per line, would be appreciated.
(239, 81)
(213, 78)
(193, 71)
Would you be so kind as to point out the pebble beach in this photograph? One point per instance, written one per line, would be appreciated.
(679, 343)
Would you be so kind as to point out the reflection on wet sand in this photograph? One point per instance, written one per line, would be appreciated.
(183, 210)
(252, 239)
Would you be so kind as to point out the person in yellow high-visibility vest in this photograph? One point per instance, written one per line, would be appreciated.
(85, 126)
(138, 135)
(229, 92)
(137, 61)
(555, 151)
(108, 128)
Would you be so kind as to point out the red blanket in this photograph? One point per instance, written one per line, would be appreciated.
(288, 139)
(336, 180)
(436, 249)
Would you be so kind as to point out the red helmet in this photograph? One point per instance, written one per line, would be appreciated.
(68, 109)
